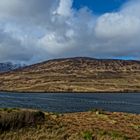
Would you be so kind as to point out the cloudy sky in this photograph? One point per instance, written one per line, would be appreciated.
(36, 30)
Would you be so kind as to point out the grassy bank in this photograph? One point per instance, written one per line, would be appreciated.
(18, 124)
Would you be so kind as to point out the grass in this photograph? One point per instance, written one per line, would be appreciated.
(87, 135)
(70, 76)
(113, 134)
(16, 124)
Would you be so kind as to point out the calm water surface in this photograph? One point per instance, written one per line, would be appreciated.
(72, 102)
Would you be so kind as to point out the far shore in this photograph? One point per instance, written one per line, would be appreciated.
(65, 92)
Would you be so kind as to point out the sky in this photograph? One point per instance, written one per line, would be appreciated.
(99, 6)
(38, 30)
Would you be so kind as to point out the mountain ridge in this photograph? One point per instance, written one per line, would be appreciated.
(120, 62)
(78, 74)
(8, 66)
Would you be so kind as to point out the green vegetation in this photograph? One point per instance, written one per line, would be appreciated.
(113, 134)
(87, 135)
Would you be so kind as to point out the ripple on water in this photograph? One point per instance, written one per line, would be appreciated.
(70, 102)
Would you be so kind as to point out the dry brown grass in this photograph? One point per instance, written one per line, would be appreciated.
(98, 125)
(75, 75)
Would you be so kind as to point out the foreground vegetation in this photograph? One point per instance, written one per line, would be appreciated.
(18, 124)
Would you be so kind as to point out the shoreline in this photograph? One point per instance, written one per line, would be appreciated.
(65, 92)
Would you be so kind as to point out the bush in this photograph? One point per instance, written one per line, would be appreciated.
(19, 119)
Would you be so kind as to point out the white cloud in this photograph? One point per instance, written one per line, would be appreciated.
(36, 30)
(119, 32)
(117, 25)
(65, 8)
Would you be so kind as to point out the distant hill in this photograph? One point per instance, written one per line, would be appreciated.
(8, 66)
(80, 74)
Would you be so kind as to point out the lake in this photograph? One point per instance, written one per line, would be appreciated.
(72, 102)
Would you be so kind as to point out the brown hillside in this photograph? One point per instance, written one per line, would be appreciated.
(79, 74)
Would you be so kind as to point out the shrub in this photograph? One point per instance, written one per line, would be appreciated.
(19, 119)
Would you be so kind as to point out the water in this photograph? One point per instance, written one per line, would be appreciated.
(72, 102)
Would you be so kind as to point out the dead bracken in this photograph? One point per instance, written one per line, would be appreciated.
(75, 75)
(72, 126)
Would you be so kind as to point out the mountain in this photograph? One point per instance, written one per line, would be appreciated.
(8, 66)
(80, 74)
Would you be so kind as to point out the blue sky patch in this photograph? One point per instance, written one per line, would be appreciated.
(99, 6)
